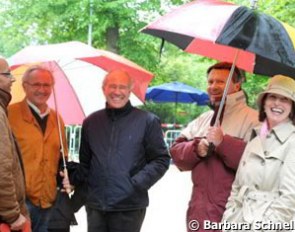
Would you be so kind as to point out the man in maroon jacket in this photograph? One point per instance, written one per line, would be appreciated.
(213, 175)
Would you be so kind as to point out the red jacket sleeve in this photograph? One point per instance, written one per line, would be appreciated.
(231, 150)
(184, 154)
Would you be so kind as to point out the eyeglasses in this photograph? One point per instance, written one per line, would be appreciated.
(39, 85)
(7, 74)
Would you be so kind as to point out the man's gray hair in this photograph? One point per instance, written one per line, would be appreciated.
(33, 68)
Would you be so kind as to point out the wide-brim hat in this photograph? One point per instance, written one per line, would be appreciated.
(279, 84)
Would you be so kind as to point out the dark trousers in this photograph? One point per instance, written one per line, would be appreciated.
(122, 221)
(39, 217)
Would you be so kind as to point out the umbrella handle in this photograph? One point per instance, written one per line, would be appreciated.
(66, 176)
(211, 149)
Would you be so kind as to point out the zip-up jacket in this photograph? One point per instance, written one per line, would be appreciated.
(122, 155)
(12, 184)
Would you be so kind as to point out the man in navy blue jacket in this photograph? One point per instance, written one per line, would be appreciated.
(122, 155)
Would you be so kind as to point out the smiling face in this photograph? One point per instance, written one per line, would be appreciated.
(277, 109)
(38, 87)
(117, 88)
(216, 83)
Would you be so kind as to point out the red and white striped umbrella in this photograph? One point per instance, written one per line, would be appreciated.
(79, 71)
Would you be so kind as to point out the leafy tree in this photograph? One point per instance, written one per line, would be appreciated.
(115, 24)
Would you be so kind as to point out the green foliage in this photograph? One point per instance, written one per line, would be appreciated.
(253, 86)
(179, 113)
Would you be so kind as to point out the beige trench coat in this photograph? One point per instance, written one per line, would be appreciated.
(264, 187)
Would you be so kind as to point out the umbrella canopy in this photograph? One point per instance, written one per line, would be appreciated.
(177, 92)
(217, 29)
(78, 70)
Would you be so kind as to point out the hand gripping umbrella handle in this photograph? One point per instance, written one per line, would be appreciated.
(211, 147)
(66, 176)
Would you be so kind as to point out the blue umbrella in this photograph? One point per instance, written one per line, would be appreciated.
(176, 92)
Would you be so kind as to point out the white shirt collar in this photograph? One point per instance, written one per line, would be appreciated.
(36, 109)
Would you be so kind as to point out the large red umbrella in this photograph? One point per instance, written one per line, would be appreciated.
(217, 29)
(78, 70)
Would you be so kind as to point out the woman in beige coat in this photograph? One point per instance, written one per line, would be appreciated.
(263, 193)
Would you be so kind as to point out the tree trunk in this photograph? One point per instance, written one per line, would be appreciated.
(112, 39)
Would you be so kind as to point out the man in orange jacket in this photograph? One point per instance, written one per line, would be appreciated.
(36, 129)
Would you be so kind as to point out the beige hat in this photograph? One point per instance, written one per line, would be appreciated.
(281, 85)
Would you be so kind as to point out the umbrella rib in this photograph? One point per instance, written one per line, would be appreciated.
(68, 63)
(75, 95)
(158, 93)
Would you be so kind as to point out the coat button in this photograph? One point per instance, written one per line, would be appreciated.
(266, 153)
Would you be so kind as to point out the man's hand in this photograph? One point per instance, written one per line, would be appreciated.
(19, 223)
(215, 135)
(202, 148)
(67, 187)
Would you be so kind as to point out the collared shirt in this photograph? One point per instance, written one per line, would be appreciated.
(276, 136)
(36, 109)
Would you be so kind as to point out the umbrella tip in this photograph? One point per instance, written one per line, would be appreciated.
(254, 4)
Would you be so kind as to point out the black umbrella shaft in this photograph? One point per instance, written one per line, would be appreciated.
(211, 147)
(228, 82)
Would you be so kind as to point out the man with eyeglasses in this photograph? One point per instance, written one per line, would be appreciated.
(13, 209)
(122, 155)
(36, 129)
